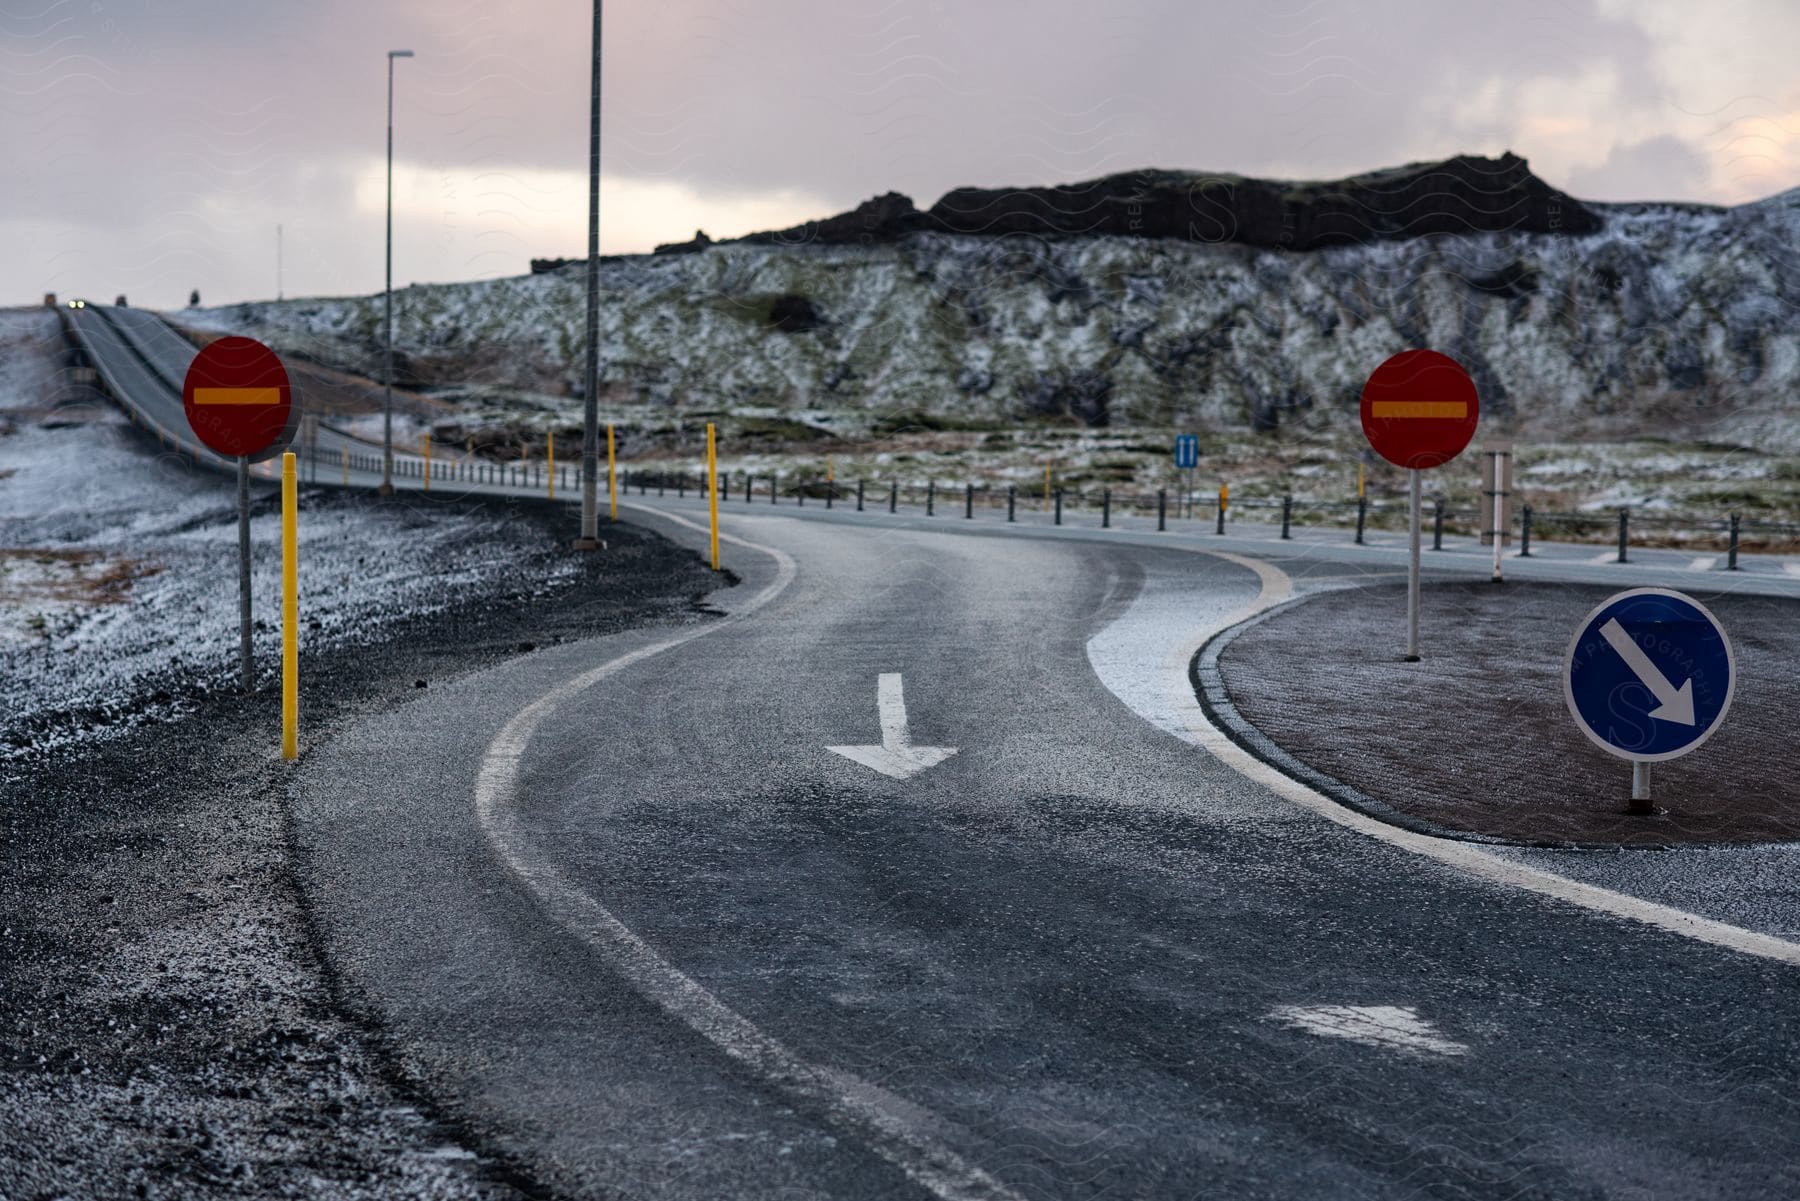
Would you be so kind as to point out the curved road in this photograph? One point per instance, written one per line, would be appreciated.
(639, 922)
(919, 875)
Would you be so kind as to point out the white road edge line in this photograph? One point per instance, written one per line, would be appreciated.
(1184, 718)
(892, 1127)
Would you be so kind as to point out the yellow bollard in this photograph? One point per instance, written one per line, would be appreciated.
(551, 476)
(612, 480)
(712, 491)
(427, 462)
(290, 612)
(1359, 482)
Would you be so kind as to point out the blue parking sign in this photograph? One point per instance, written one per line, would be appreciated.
(1649, 675)
(1187, 450)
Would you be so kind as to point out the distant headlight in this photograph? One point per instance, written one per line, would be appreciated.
(78, 304)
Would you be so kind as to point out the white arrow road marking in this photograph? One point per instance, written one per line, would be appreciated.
(1676, 704)
(1400, 1029)
(898, 1130)
(896, 756)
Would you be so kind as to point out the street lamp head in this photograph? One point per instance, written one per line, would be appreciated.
(400, 53)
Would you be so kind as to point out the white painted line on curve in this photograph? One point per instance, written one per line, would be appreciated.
(1390, 1026)
(1157, 689)
(892, 1127)
(1703, 563)
(1791, 568)
(1605, 556)
(896, 756)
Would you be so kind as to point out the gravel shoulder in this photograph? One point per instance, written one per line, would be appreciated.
(167, 1025)
(1476, 740)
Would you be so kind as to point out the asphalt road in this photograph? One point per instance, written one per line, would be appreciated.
(623, 908)
(619, 903)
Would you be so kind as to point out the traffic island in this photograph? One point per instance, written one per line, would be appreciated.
(1476, 741)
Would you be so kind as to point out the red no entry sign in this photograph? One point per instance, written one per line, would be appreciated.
(237, 399)
(1419, 409)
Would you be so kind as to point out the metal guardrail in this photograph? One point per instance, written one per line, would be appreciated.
(966, 499)
(526, 474)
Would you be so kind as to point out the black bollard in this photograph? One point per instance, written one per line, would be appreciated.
(1362, 514)
(1012, 500)
(1730, 554)
(1525, 532)
(1437, 524)
(968, 500)
(1106, 508)
(859, 490)
(1287, 515)
(1162, 509)
(1624, 533)
(894, 497)
(930, 495)
(1059, 506)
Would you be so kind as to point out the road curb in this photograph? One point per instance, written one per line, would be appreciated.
(1210, 690)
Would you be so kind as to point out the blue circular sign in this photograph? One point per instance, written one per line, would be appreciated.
(1649, 675)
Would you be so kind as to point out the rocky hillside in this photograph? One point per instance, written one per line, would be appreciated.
(1159, 298)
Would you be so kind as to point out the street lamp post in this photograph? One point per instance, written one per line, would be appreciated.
(387, 375)
(590, 433)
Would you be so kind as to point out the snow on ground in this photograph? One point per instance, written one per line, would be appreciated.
(118, 566)
(1668, 319)
(957, 358)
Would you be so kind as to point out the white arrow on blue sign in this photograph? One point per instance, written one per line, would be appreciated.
(1187, 450)
(1650, 675)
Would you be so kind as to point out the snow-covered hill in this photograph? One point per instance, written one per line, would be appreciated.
(1671, 320)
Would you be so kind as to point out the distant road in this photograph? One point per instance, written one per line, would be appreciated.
(142, 361)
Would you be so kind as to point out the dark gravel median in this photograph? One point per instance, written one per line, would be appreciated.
(1476, 739)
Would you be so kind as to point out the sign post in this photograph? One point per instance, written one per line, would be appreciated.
(1187, 458)
(712, 491)
(290, 612)
(238, 402)
(1620, 679)
(1419, 410)
(1496, 485)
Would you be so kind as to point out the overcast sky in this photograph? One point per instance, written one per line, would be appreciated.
(153, 146)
